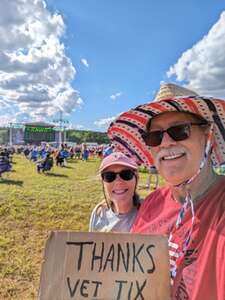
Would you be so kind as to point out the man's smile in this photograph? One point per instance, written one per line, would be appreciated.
(173, 156)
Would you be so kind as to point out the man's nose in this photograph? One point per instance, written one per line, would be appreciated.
(167, 140)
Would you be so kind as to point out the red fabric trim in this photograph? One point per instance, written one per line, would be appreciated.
(215, 148)
(157, 106)
(135, 117)
(220, 102)
(193, 107)
(134, 141)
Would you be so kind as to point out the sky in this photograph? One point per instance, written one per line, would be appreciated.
(94, 59)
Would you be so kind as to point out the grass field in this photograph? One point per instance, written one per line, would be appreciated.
(31, 205)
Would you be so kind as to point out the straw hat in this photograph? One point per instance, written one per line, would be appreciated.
(168, 90)
(126, 131)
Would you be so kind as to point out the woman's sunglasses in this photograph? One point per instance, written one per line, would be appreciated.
(111, 176)
(177, 133)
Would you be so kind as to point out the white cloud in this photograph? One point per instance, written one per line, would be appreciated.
(116, 95)
(72, 126)
(203, 66)
(80, 102)
(35, 73)
(84, 62)
(104, 123)
(79, 127)
(6, 119)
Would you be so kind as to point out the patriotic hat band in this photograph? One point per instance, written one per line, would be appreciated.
(126, 131)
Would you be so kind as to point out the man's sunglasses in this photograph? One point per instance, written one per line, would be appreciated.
(111, 176)
(177, 133)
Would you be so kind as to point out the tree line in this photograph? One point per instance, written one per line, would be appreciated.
(82, 136)
(76, 136)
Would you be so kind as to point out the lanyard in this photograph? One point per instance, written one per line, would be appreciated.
(179, 252)
(181, 249)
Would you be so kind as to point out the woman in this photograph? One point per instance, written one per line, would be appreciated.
(118, 211)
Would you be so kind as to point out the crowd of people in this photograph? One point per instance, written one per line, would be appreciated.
(46, 155)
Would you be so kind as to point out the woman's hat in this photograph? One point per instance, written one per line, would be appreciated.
(117, 158)
(126, 131)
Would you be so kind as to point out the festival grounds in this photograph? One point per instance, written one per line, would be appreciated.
(33, 204)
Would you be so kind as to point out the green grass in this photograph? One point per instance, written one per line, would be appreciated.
(31, 205)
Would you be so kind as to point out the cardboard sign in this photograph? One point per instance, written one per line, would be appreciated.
(106, 266)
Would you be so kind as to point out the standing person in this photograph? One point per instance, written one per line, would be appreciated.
(153, 178)
(108, 150)
(85, 152)
(117, 212)
(59, 157)
(183, 137)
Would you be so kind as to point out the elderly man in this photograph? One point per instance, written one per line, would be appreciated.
(184, 138)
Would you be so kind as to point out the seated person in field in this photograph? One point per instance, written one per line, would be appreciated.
(43, 153)
(99, 152)
(65, 154)
(59, 158)
(77, 152)
(34, 154)
(26, 152)
(71, 152)
(45, 164)
(5, 165)
(117, 212)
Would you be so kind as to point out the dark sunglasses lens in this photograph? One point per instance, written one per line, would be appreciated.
(179, 132)
(127, 174)
(109, 176)
(153, 138)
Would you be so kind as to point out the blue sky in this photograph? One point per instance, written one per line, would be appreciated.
(94, 59)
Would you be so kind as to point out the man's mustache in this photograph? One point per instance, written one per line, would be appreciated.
(168, 152)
